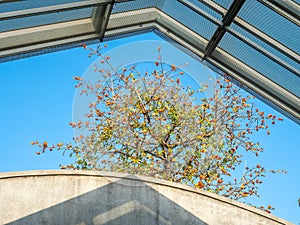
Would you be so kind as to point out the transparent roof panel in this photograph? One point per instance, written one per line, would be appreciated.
(133, 5)
(39, 26)
(192, 19)
(276, 54)
(51, 18)
(225, 3)
(261, 63)
(254, 41)
(199, 6)
(31, 4)
(271, 23)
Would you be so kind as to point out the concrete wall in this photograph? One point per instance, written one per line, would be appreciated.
(87, 197)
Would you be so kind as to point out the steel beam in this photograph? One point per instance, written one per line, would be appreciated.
(15, 38)
(263, 51)
(52, 9)
(240, 36)
(286, 8)
(9, 1)
(241, 72)
(101, 17)
(201, 12)
(254, 31)
(152, 18)
(24, 41)
(220, 32)
(257, 82)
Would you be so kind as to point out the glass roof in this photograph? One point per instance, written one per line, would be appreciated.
(254, 41)
(33, 27)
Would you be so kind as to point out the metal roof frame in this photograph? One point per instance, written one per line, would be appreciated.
(154, 18)
(227, 20)
(17, 43)
(288, 9)
(254, 31)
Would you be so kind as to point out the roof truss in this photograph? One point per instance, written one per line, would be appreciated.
(26, 41)
(48, 37)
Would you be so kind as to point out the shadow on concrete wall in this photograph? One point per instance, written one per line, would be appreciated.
(125, 202)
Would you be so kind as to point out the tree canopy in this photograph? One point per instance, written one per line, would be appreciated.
(150, 123)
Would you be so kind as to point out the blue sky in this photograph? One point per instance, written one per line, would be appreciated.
(36, 100)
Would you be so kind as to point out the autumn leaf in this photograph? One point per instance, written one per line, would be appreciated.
(200, 184)
(173, 67)
(83, 45)
(72, 124)
(45, 145)
(77, 78)
(245, 194)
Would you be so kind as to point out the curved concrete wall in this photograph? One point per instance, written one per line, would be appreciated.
(87, 197)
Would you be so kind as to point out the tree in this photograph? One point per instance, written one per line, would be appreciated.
(149, 123)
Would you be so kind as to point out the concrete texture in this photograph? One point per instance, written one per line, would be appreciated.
(89, 197)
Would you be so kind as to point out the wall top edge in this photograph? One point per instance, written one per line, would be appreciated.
(150, 180)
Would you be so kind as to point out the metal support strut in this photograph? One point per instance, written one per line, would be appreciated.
(219, 33)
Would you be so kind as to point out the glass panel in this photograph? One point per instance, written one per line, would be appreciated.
(32, 21)
(133, 5)
(272, 24)
(29, 4)
(225, 3)
(191, 19)
(207, 9)
(261, 63)
(267, 47)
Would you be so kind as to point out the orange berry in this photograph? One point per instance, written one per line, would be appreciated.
(173, 67)
(245, 194)
(77, 78)
(59, 144)
(72, 124)
(200, 184)
(83, 45)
